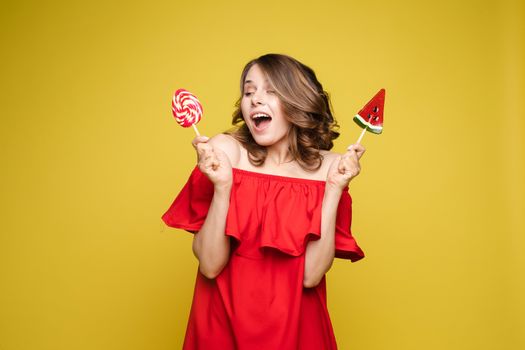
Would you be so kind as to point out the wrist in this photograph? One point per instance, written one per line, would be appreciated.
(223, 188)
(333, 190)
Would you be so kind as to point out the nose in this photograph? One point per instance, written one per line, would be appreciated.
(257, 98)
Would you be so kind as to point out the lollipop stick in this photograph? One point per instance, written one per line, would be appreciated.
(362, 134)
(196, 131)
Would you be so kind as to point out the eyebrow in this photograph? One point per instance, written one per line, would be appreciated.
(250, 81)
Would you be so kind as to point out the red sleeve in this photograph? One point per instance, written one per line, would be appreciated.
(189, 209)
(345, 245)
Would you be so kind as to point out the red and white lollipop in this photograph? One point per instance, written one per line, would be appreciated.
(186, 109)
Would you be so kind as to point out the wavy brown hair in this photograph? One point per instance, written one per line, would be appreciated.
(305, 105)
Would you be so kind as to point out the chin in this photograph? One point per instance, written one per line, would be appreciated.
(262, 142)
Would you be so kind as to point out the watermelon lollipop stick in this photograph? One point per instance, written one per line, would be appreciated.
(186, 109)
(362, 134)
(370, 117)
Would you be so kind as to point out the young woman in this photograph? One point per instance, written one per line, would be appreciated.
(269, 208)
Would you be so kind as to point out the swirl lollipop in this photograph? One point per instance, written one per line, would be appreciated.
(186, 109)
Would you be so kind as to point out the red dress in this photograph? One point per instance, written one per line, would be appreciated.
(258, 300)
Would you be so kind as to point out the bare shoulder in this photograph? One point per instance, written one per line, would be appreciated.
(228, 145)
(329, 157)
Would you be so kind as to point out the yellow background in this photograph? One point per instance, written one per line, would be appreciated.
(91, 158)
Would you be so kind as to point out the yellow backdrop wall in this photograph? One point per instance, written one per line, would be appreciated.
(91, 158)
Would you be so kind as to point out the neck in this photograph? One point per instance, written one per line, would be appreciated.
(278, 154)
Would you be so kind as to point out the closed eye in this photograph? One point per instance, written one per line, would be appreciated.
(250, 93)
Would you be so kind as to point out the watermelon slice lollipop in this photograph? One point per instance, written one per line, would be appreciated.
(370, 117)
(186, 109)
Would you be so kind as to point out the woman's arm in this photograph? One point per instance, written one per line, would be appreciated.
(320, 254)
(210, 245)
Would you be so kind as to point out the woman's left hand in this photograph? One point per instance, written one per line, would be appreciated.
(345, 167)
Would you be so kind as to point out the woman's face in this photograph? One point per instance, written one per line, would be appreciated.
(262, 110)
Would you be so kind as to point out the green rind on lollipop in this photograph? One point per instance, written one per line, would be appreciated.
(376, 129)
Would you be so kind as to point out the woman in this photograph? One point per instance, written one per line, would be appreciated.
(269, 207)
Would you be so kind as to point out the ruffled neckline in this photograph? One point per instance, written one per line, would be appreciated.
(279, 212)
(279, 177)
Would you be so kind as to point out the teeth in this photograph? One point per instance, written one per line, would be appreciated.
(260, 115)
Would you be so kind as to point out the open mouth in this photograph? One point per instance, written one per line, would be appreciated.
(261, 120)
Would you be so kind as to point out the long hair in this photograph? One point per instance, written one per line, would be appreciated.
(305, 105)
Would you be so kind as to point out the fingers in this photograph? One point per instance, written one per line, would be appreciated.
(206, 156)
(349, 167)
(344, 166)
(356, 148)
(199, 139)
(349, 163)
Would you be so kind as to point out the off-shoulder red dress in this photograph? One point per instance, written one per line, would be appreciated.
(258, 300)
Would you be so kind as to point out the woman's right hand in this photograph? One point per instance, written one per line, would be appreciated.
(213, 162)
